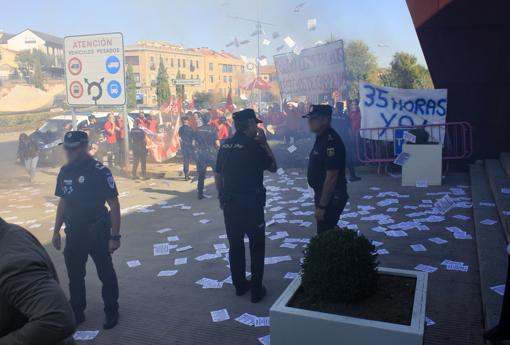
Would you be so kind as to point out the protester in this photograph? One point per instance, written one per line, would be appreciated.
(33, 307)
(186, 140)
(94, 132)
(84, 185)
(223, 129)
(342, 125)
(139, 148)
(206, 138)
(153, 123)
(326, 169)
(28, 153)
(292, 121)
(142, 121)
(111, 139)
(239, 176)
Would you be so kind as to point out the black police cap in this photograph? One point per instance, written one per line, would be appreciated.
(245, 115)
(73, 139)
(319, 110)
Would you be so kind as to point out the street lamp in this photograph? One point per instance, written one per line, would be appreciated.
(258, 25)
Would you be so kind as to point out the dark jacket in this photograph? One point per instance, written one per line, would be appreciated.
(33, 307)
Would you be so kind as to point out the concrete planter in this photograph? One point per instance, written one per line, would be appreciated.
(304, 327)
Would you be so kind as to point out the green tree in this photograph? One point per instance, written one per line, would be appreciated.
(406, 73)
(130, 88)
(179, 89)
(203, 99)
(162, 85)
(37, 77)
(360, 65)
(32, 63)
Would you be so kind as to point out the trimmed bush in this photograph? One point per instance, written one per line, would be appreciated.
(339, 266)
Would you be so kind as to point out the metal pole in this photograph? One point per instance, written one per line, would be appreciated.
(126, 136)
(75, 121)
(258, 63)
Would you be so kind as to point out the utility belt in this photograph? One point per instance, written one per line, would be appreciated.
(256, 196)
(97, 228)
(337, 199)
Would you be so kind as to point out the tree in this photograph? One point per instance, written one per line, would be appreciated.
(179, 89)
(406, 73)
(31, 64)
(130, 88)
(202, 99)
(37, 78)
(162, 85)
(360, 65)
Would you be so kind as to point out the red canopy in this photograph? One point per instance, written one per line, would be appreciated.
(258, 83)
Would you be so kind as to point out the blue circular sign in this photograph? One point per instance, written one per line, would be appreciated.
(112, 64)
(114, 89)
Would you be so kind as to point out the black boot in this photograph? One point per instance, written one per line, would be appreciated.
(258, 294)
(243, 288)
(111, 320)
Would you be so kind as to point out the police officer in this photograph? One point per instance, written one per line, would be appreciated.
(206, 139)
(341, 123)
(240, 167)
(84, 185)
(186, 137)
(326, 168)
(139, 147)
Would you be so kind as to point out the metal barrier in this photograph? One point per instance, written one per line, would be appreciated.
(456, 137)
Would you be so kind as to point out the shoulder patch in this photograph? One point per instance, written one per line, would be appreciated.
(111, 181)
(330, 151)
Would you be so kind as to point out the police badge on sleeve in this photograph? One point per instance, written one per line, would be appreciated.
(111, 181)
(330, 151)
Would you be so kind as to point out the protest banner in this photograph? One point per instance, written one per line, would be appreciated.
(387, 107)
(312, 72)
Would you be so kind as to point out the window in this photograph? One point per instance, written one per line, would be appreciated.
(132, 60)
(211, 66)
(230, 78)
(197, 64)
(172, 62)
(211, 79)
(183, 63)
(179, 63)
(224, 78)
(183, 76)
(152, 59)
(226, 68)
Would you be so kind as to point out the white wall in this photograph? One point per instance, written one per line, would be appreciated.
(26, 40)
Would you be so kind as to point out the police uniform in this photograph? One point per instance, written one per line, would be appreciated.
(328, 153)
(241, 164)
(186, 136)
(205, 138)
(85, 187)
(139, 148)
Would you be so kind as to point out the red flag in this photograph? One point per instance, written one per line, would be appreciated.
(192, 103)
(230, 104)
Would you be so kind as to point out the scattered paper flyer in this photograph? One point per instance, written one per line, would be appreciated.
(182, 249)
(499, 289)
(425, 268)
(438, 240)
(429, 322)
(402, 158)
(266, 42)
(422, 184)
(168, 273)
(444, 204)
(172, 238)
(265, 340)
(488, 222)
(262, 321)
(205, 221)
(247, 319)
(220, 315)
(291, 275)
(292, 148)
(312, 24)
(409, 137)
(85, 335)
(180, 261)
(161, 249)
(134, 263)
(418, 247)
(162, 231)
(289, 42)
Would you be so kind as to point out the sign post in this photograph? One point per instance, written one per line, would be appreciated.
(95, 73)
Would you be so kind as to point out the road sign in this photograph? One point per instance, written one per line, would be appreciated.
(186, 81)
(95, 69)
(399, 140)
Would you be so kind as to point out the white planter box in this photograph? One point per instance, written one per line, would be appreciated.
(292, 326)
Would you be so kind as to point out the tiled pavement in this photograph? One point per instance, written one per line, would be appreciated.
(175, 310)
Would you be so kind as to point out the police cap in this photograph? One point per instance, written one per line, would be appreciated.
(317, 110)
(74, 139)
(245, 115)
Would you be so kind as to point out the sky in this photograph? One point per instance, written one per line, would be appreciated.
(385, 25)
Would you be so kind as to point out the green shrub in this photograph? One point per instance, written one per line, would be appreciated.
(339, 266)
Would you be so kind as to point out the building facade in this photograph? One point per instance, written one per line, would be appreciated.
(28, 39)
(144, 58)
